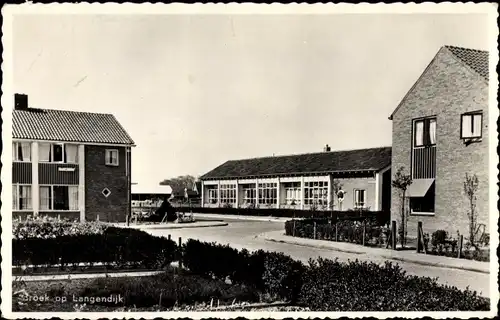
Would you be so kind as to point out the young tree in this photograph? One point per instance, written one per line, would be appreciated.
(471, 185)
(401, 182)
(179, 183)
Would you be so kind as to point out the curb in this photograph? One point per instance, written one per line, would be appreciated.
(77, 276)
(388, 257)
(313, 246)
(234, 217)
(437, 264)
(174, 226)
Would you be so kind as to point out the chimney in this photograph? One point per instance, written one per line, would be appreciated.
(20, 101)
(327, 148)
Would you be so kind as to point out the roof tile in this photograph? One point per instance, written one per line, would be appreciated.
(477, 60)
(62, 125)
(337, 161)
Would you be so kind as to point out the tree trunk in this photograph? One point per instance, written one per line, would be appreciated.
(403, 238)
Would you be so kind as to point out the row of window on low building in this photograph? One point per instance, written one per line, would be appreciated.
(56, 152)
(54, 197)
(315, 193)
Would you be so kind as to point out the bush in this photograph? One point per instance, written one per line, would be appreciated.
(348, 230)
(115, 246)
(282, 276)
(366, 286)
(44, 228)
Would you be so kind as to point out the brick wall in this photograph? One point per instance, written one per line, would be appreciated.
(446, 90)
(99, 176)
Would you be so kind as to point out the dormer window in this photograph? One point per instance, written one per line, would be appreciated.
(471, 125)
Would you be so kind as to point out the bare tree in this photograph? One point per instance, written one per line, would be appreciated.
(471, 185)
(401, 182)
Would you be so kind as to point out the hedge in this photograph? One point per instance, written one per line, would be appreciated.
(348, 230)
(326, 285)
(115, 246)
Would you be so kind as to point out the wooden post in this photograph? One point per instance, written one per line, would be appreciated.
(127, 220)
(314, 231)
(169, 237)
(97, 218)
(180, 255)
(364, 231)
(336, 231)
(419, 237)
(460, 245)
(393, 235)
(293, 232)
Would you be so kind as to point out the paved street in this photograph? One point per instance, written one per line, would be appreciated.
(243, 234)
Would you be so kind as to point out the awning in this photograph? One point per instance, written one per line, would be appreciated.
(419, 187)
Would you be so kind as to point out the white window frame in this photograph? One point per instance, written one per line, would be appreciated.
(473, 133)
(64, 154)
(17, 188)
(265, 192)
(15, 149)
(249, 195)
(293, 193)
(316, 193)
(228, 193)
(356, 203)
(107, 157)
(51, 205)
(212, 195)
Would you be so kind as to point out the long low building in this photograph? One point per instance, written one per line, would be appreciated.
(339, 180)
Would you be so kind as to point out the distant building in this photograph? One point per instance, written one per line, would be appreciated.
(304, 181)
(70, 164)
(440, 133)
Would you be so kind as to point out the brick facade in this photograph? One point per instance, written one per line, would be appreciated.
(98, 176)
(447, 89)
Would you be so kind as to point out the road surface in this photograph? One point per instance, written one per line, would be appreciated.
(243, 234)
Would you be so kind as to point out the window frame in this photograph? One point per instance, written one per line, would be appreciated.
(425, 129)
(471, 114)
(267, 193)
(17, 194)
(16, 145)
(316, 193)
(108, 152)
(51, 197)
(364, 193)
(64, 152)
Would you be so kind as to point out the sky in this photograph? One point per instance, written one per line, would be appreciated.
(194, 91)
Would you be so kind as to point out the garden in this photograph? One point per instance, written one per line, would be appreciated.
(209, 276)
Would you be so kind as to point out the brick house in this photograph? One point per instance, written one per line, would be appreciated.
(440, 133)
(303, 181)
(69, 164)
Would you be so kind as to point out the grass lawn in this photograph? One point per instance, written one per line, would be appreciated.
(151, 293)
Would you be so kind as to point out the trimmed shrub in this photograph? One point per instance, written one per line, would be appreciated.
(334, 286)
(348, 230)
(44, 228)
(115, 246)
(282, 276)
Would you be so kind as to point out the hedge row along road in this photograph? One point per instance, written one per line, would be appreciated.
(242, 234)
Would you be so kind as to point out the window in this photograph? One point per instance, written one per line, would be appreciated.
(58, 152)
(212, 195)
(59, 198)
(268, 193)
(424, 204)
(111, 157)
(471, 125)
(228, 193)
(359, 198)
(21, 197)
(21, 151)
(293, 193)
(249, 195)
(316, 193)
(424, 132)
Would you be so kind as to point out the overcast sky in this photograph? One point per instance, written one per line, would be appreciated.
(195, 91)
